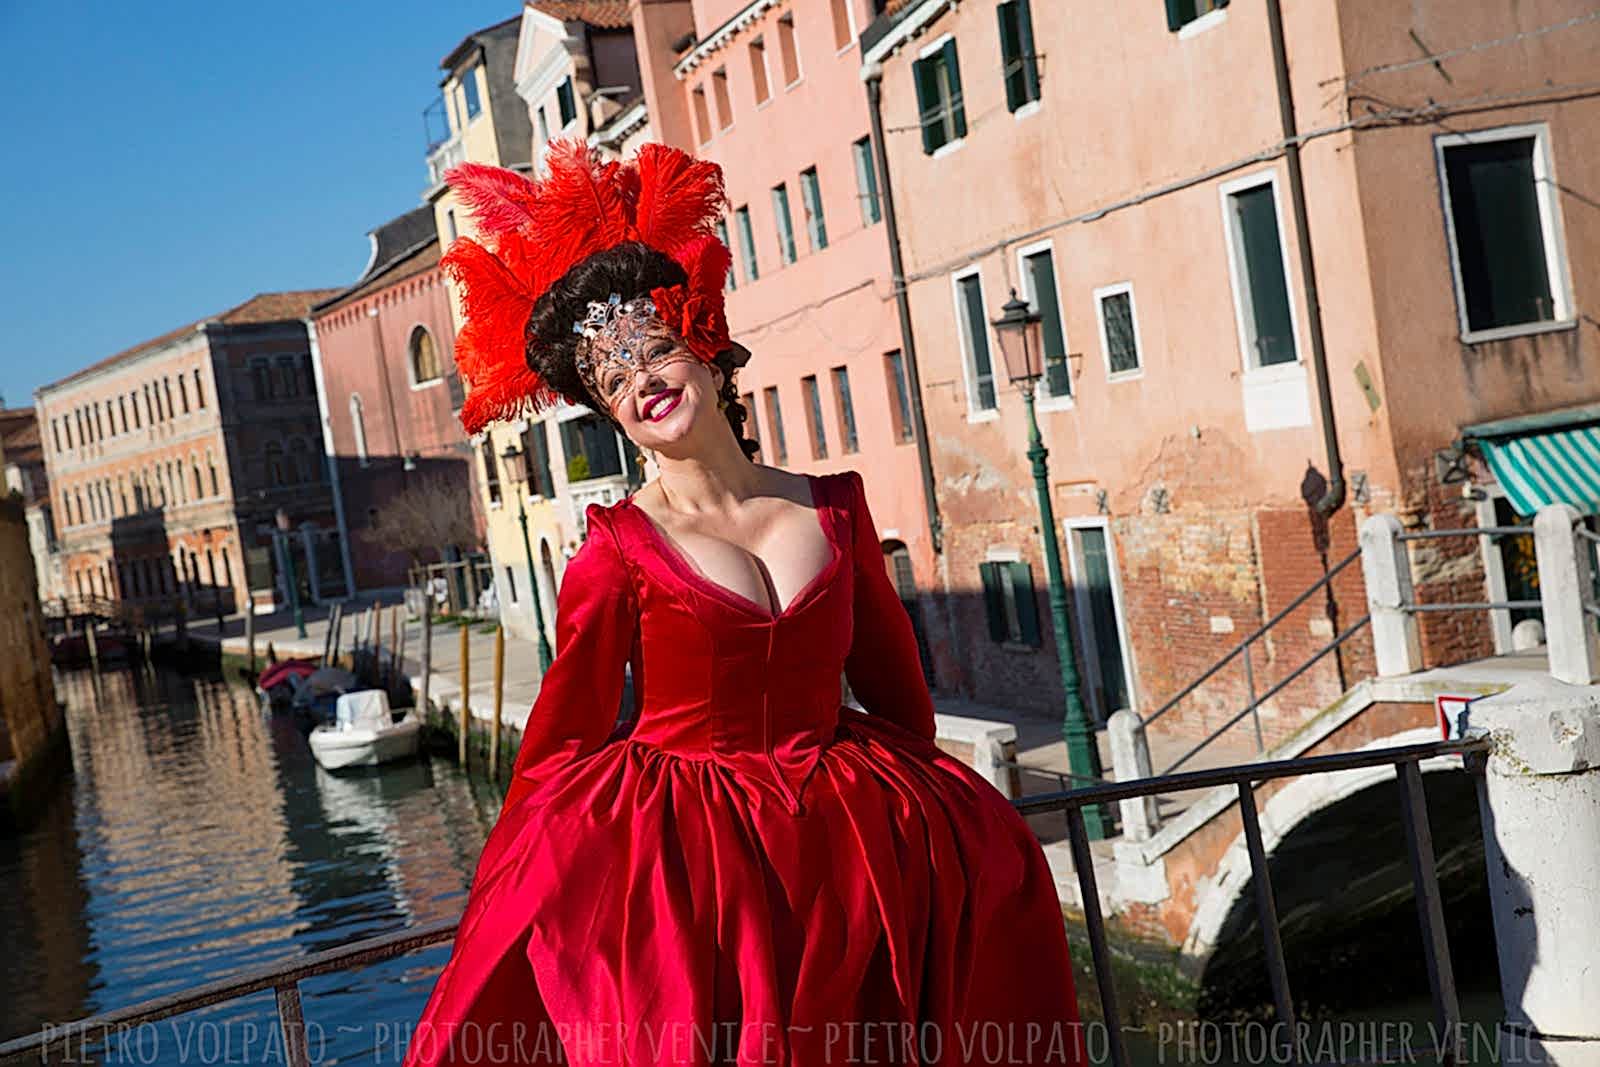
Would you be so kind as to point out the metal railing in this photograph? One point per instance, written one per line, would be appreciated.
(284, 979)
(1405, 759)
(1242, 649)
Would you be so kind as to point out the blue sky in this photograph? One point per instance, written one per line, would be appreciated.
(168, 160)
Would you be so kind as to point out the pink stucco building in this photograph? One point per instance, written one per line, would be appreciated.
(390, 390)
(1124, 168)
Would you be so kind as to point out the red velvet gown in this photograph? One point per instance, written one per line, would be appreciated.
(757, 873)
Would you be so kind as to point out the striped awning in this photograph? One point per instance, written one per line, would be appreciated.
(1554, 467)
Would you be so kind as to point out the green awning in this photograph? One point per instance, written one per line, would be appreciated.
(1555, 467)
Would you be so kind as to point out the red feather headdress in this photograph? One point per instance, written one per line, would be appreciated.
(533, 232)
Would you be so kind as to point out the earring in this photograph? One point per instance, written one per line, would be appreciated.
(722, 403)
(639, 459)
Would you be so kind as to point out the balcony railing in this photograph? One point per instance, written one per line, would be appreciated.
(442, 158)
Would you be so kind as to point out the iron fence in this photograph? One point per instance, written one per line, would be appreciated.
(284, 979)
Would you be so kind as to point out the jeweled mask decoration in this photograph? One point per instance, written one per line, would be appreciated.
(618, 339)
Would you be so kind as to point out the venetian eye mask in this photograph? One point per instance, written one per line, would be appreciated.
(618, 339)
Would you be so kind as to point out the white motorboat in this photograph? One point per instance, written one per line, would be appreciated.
(365, 733)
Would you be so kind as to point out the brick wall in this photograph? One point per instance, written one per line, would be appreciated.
(28, 710)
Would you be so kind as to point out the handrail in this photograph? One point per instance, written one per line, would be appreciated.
(1255, 636)
(1466, 531)
(1270, 693)
(284, 978)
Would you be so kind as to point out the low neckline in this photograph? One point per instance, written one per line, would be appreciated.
(681, 563)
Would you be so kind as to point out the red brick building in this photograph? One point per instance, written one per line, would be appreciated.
(169, 462)
(385, 351)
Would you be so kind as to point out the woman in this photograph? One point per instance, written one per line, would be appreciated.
(756, 873)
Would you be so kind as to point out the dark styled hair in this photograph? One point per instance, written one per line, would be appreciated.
(631, 269)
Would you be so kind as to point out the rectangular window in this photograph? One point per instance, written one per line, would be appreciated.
(894, 367)
(753, 424)
(166, 386)
(542, 124)
(1020, 67)
(975, 341)
(536, 457)
(939, 108)
(811, 200)
(843, 29)
(847, 411)
(866, 181)
(55, 433)
(1119, 334)
(590, 445)
(491, 471)
(511, 585)
(758, 70)
(1039, 286)
(450, 223)
(1009, 602)
(1182, 12)
(1260, 280)
(1502, 222)
(183, 394)
(469, 90)
(719, 86)
(813, 395)
(780, 210)
(133, 402)
(780, 446)
(702, 114)
(787, 51)
(567, 103)
(747, 243)
(722, 235)
(199, 394)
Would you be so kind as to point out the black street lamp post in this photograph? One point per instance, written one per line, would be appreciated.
(1022, 350)
(518, 473)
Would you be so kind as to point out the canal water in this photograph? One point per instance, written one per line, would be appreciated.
(197, 838)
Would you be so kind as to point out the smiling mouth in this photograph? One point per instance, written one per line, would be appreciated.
(662, 402)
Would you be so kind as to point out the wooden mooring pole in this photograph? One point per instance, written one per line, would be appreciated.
(499, 691)
(328, 649)
(250, 630)
(466, 688)
(427, 656)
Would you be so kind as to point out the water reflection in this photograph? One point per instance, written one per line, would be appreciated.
(198, 837)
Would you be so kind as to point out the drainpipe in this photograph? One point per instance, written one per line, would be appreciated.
(1333, 499)
(902, 301)
(330, 456)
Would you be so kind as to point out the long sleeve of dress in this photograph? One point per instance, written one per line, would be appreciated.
(883, 668)
(596, 620)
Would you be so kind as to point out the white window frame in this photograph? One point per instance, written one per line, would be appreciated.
(1007, 554)
(358, 420)
(1080, 597)
(1275, 397)
(1201, 23)
(411, 366)
(1545, 188)
(1047, 401)
(1100, 295)
(954, 144)
(969, 370)
(766, 69)
(855, 33)
(799, 62)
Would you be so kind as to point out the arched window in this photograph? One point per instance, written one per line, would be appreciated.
(360, 424)
(199, 486)
(424, 357)
(276, 472)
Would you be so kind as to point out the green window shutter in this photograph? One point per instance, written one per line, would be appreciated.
(923, 72)
(1030, 60)
(1175, 14)
(1011, 62)
(1027, 606)
(994, 599)
(952, 71)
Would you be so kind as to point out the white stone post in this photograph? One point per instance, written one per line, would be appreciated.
(1130, 759)
(1565, 585)
(1396, 642)
(1540, 803)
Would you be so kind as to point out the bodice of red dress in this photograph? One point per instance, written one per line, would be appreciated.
(716, 676)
